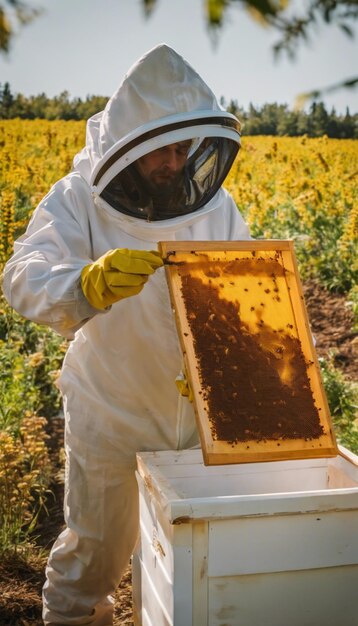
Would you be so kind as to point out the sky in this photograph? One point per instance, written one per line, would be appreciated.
(86, 46)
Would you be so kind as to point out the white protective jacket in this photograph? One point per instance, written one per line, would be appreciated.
(120, 369)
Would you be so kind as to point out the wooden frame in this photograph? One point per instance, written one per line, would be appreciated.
(248, 351)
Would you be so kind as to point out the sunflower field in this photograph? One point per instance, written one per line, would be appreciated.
(287, 188)
(303, 189)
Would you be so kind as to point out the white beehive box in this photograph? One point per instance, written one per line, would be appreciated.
(258, 544)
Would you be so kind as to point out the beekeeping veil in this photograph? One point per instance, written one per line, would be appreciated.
(161, 101)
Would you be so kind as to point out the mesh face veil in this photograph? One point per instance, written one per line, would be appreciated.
(214, 144)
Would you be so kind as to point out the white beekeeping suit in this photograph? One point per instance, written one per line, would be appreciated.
(118, 377)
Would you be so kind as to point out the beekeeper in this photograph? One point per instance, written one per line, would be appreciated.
(88, 267)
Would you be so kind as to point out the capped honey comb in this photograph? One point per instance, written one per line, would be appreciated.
(248, 351)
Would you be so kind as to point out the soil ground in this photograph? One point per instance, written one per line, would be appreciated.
(21, 579)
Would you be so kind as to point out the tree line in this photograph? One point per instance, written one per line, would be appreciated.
(278, 119)
(268, 119)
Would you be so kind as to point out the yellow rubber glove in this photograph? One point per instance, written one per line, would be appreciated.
(118, 274)
(183, 386)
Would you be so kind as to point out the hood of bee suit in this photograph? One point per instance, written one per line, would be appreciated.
(162, 100)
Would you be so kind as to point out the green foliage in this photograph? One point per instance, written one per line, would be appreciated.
(17, 14)
(25, 474)
(277, 119)
(342, 396)
(353, 301)
(30, 359)
(31, 356)
(334, 266)
(17, 390)
(41, 107)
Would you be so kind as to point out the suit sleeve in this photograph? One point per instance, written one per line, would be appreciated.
(42, 279)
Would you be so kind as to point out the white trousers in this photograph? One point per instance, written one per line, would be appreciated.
(90, 556)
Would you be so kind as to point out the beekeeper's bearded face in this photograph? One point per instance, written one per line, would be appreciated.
(171, 179)
(162, 167)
